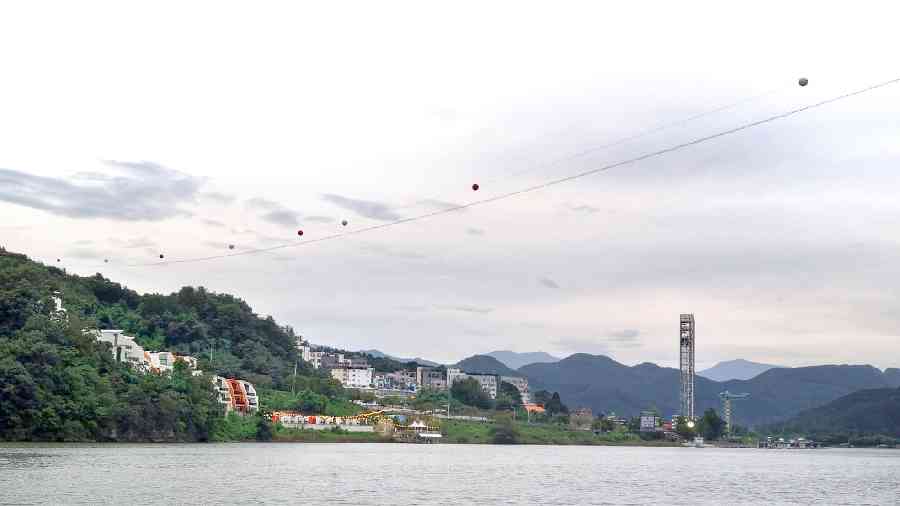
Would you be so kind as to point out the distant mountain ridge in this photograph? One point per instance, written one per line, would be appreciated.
(418, 360)
(485, 364)
(601, 383)
(515, 360)
(738, 369)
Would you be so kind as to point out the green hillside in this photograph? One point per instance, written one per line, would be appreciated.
(866, 413)
(56, 383)
(485, 364)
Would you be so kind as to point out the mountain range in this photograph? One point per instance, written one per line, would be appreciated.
(604, 385)
(515, 360)
(739, 369)
(485, 364)
(418, 360)
(875, 411)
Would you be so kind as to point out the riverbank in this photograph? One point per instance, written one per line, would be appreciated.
(237, 429)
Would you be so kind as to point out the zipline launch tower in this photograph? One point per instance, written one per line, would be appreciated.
(686, 345)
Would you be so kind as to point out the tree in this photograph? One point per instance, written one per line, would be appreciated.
(468, 391)
(684, 429)
(711, 426)
(555, 405)
(504, 431)
(508, 396)
(263, 429)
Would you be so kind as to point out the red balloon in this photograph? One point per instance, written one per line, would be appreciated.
(475, 187)
(299, 232)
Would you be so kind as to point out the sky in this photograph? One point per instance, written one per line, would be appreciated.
(133, 130)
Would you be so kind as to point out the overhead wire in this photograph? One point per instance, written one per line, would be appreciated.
(528, 189)
(589, 150)
(613, 143)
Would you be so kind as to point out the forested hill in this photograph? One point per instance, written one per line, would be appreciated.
(191, 321)
(56, 383)
(603, 384)
(485, 364)
(863, 413)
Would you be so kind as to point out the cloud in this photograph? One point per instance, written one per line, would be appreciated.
(281, 217)
(474, 231)
(365, 208)
(133, 243)
(626, 338)
(411, 309)
(387, 251)
(219, 198)
(467, 309)
(549, 283)
(276, 213)
(137, 191)
(318, 219)
(85, 253)
(624, 335)
(583, 208)
(581, 345)
(439, 204)
(213, 223)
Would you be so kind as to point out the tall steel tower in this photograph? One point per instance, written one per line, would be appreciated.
(686, 344)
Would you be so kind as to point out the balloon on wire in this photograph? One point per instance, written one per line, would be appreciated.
(803, 81)
(162, 256)
(475, 187)
(231, 246)
(299, 233)
(553, 182)
(344, 222)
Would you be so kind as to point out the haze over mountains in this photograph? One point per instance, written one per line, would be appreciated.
(604, 385)
(739, 369)
(515, 360)
(418, 360)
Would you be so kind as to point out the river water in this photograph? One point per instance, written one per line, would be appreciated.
(248, 473)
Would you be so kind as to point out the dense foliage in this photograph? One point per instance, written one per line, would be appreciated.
(861, 418)
(468, 391)
(58, 383)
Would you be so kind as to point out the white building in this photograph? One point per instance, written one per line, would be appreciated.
(649, 421)
(162, 361)
(488, 382)
(354, 377)
(521, 385)
(124, 348)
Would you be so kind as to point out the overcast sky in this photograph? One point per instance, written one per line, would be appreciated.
(179, 128)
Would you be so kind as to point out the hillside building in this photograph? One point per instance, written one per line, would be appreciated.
(521, 385)
(431, 377)
(353, 376)
(124, 348)
(488, 382)
(236, 395)
(163, 361)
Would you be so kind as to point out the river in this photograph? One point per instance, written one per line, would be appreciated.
(441, 474)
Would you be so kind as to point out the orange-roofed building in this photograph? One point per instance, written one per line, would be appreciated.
(533, 408)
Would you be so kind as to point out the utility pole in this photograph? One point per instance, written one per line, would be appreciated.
(294, 380)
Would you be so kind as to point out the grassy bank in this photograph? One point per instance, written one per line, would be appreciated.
(485, 433)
